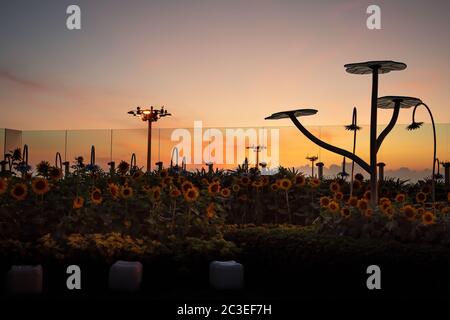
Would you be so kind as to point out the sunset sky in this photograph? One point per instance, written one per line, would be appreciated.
(228, 63)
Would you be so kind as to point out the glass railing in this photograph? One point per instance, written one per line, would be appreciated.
(407, 154)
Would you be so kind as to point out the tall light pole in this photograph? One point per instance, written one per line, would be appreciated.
(150, 115)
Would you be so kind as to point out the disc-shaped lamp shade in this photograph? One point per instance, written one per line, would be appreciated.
(367, 67)
(296, 113)
(388, 102)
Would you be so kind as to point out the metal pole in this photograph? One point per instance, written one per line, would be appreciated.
(149, 145)
(373, 140)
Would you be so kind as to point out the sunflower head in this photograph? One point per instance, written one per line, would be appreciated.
(186, 186)
(401, 197)
(214, 188)
(352, 201)
(225, 192)
(285, 184)
(409, 212)
(126, 192)
(421, 197)
(40, 186)
(155, 194)
(175, 193)
(96, 196)
(19, 191)
(78, 202)
(314, 183)
(300, 180)
(335, 187)
(191, 195)
(333, 207)
(368, 213)
(236, 188)
(338, 196)
(428, 218)
(274, 187)
(245, 181)
(324, 202)
(414, 126)
(363, 204)
(346, 213)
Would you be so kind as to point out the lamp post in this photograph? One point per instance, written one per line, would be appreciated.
(312, 159)
(150, 115)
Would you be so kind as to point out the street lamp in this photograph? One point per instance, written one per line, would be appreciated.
(150, 115)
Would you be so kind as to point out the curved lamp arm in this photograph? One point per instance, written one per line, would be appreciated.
(390, 126)
(433, 178)
(364, 165)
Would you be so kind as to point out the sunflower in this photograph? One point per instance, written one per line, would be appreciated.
(368, 213)
(363, 204)
(78, 202)
(333, 207)
(385, 200)
(285, 184)
(445, 210)
(359, 177)
(19, 191)
(384, 207)
(257, 184)
(3, 185)
(324, 202)
(401, 197)
(352, 201)
(314, 182)
(236, 188)
(274, 187)
(186, 186)
(389, 212)
(55, 173)
(367, 195)
(357, 184)
(214, 188)
(428, 218)
(175, 193)
(155, 194)
(167, 181)
(245, 181)
(420, 211)
(409, 212)
(126, 192)
(114, 190)
(225, 192)
(205, 181)
(300, 180)
(265, 180)
(191, 195)
(346, 213)
(338, 196)
(96, 196)
(40, 186)
(181, 179)
(210, 210)
(335, 187)
(421, 197)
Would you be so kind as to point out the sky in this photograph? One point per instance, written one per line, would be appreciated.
(228, 63)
